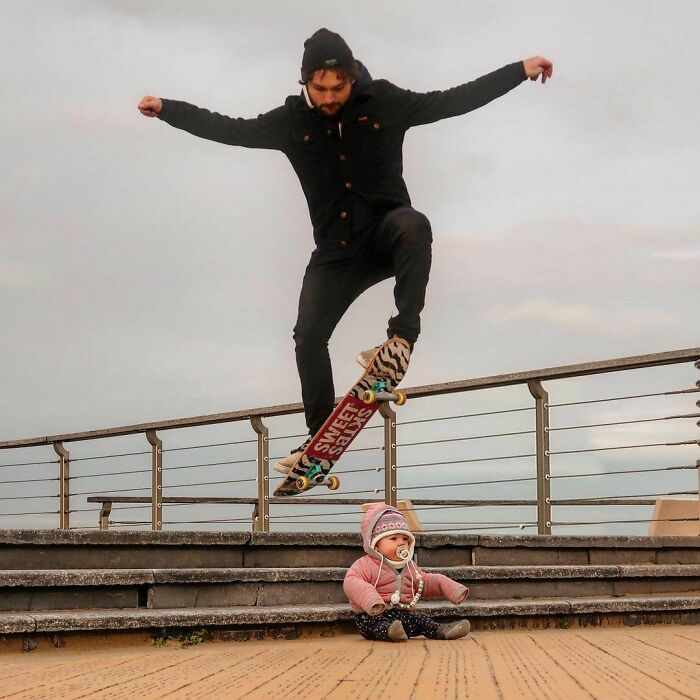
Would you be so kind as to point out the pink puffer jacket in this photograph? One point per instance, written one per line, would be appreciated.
(372, 580)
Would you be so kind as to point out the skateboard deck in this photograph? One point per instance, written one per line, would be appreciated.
(376, 384)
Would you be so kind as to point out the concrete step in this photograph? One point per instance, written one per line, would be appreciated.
(22, 590)
(501, 613)
(81, 549)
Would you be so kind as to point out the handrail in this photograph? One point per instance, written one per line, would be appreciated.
(500, 380)
(261, 513)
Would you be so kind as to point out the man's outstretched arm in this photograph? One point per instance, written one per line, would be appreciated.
(265, 131)
(428, 107)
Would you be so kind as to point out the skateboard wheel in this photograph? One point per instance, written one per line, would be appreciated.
(369, 396)
(333, 482)
(400, 399)
(303, 483)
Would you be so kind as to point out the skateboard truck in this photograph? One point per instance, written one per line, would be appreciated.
(316, 476)
(378, 392)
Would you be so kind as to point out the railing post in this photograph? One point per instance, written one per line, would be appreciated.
(544, 505)
(156, 480)
(389, 453)
(261, 516)
(697, 461)
(105, 510)
(63, 485)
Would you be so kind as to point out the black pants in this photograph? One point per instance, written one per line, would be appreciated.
(399, 246)
(377, 626)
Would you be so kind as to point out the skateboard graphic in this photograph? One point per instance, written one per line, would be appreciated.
(376, 384)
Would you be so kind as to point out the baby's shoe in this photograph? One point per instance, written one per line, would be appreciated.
(396, 632)
(454, 630)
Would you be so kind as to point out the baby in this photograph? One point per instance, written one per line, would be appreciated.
(385, 585)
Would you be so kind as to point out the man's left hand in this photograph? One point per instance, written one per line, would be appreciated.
(536, 66)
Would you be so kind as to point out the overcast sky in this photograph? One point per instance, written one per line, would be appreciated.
(146, 274)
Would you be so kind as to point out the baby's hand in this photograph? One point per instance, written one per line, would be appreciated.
(377, 609)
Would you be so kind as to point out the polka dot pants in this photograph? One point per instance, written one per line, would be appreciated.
(376, 626)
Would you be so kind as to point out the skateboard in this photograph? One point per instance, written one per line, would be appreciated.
(376, 384)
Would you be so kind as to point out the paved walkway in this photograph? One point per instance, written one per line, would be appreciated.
(636, 663)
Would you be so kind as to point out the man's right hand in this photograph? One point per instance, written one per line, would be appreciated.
(150, 106)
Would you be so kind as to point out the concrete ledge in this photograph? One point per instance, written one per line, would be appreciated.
(65, 621)
(113, 577)
(427, 540)
(588, 542)
(122, 537)
(12, 623)
(306, 539)
(75, 577)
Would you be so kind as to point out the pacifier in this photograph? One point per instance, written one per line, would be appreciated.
(403, 552)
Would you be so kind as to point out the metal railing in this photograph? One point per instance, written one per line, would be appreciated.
(141, 485)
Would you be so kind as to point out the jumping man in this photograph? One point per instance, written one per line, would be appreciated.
(343, 136)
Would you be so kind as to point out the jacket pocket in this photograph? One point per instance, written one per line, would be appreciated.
(307, 137)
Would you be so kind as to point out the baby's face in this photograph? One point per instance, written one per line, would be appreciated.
(389, 544)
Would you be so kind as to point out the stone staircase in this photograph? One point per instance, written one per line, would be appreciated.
(243, 584)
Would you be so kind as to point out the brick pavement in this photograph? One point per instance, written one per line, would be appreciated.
(603, 663)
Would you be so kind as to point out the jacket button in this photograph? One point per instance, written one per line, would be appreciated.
(328, 132)
(343, 156)
(348, 185)
(306, 137)
(343, 215)
(376, 125)
(343, 244)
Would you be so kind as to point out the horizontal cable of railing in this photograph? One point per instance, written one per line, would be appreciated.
(625, 398)
(120, 507)
(468, 415)
(465, 438)
(625, 447)
(626, 496)
(26, 498)
(637, 520)
(110, 456)
(30, 481)
(624, 422)
(74, 477)
(27, 464)
(466, 461)
(622, 471)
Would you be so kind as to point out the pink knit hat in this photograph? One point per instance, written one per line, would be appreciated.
(391, 521)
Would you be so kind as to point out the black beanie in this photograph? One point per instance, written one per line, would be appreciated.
(325, 49)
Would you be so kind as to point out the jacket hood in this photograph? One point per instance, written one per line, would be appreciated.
(369, 520)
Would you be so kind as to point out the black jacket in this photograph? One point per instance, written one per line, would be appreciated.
(351, 167)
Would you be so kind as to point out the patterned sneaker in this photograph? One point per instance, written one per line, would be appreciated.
(454, 630)
(366, 356)
(284, 465)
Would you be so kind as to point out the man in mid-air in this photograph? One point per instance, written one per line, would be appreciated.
(343, 136)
